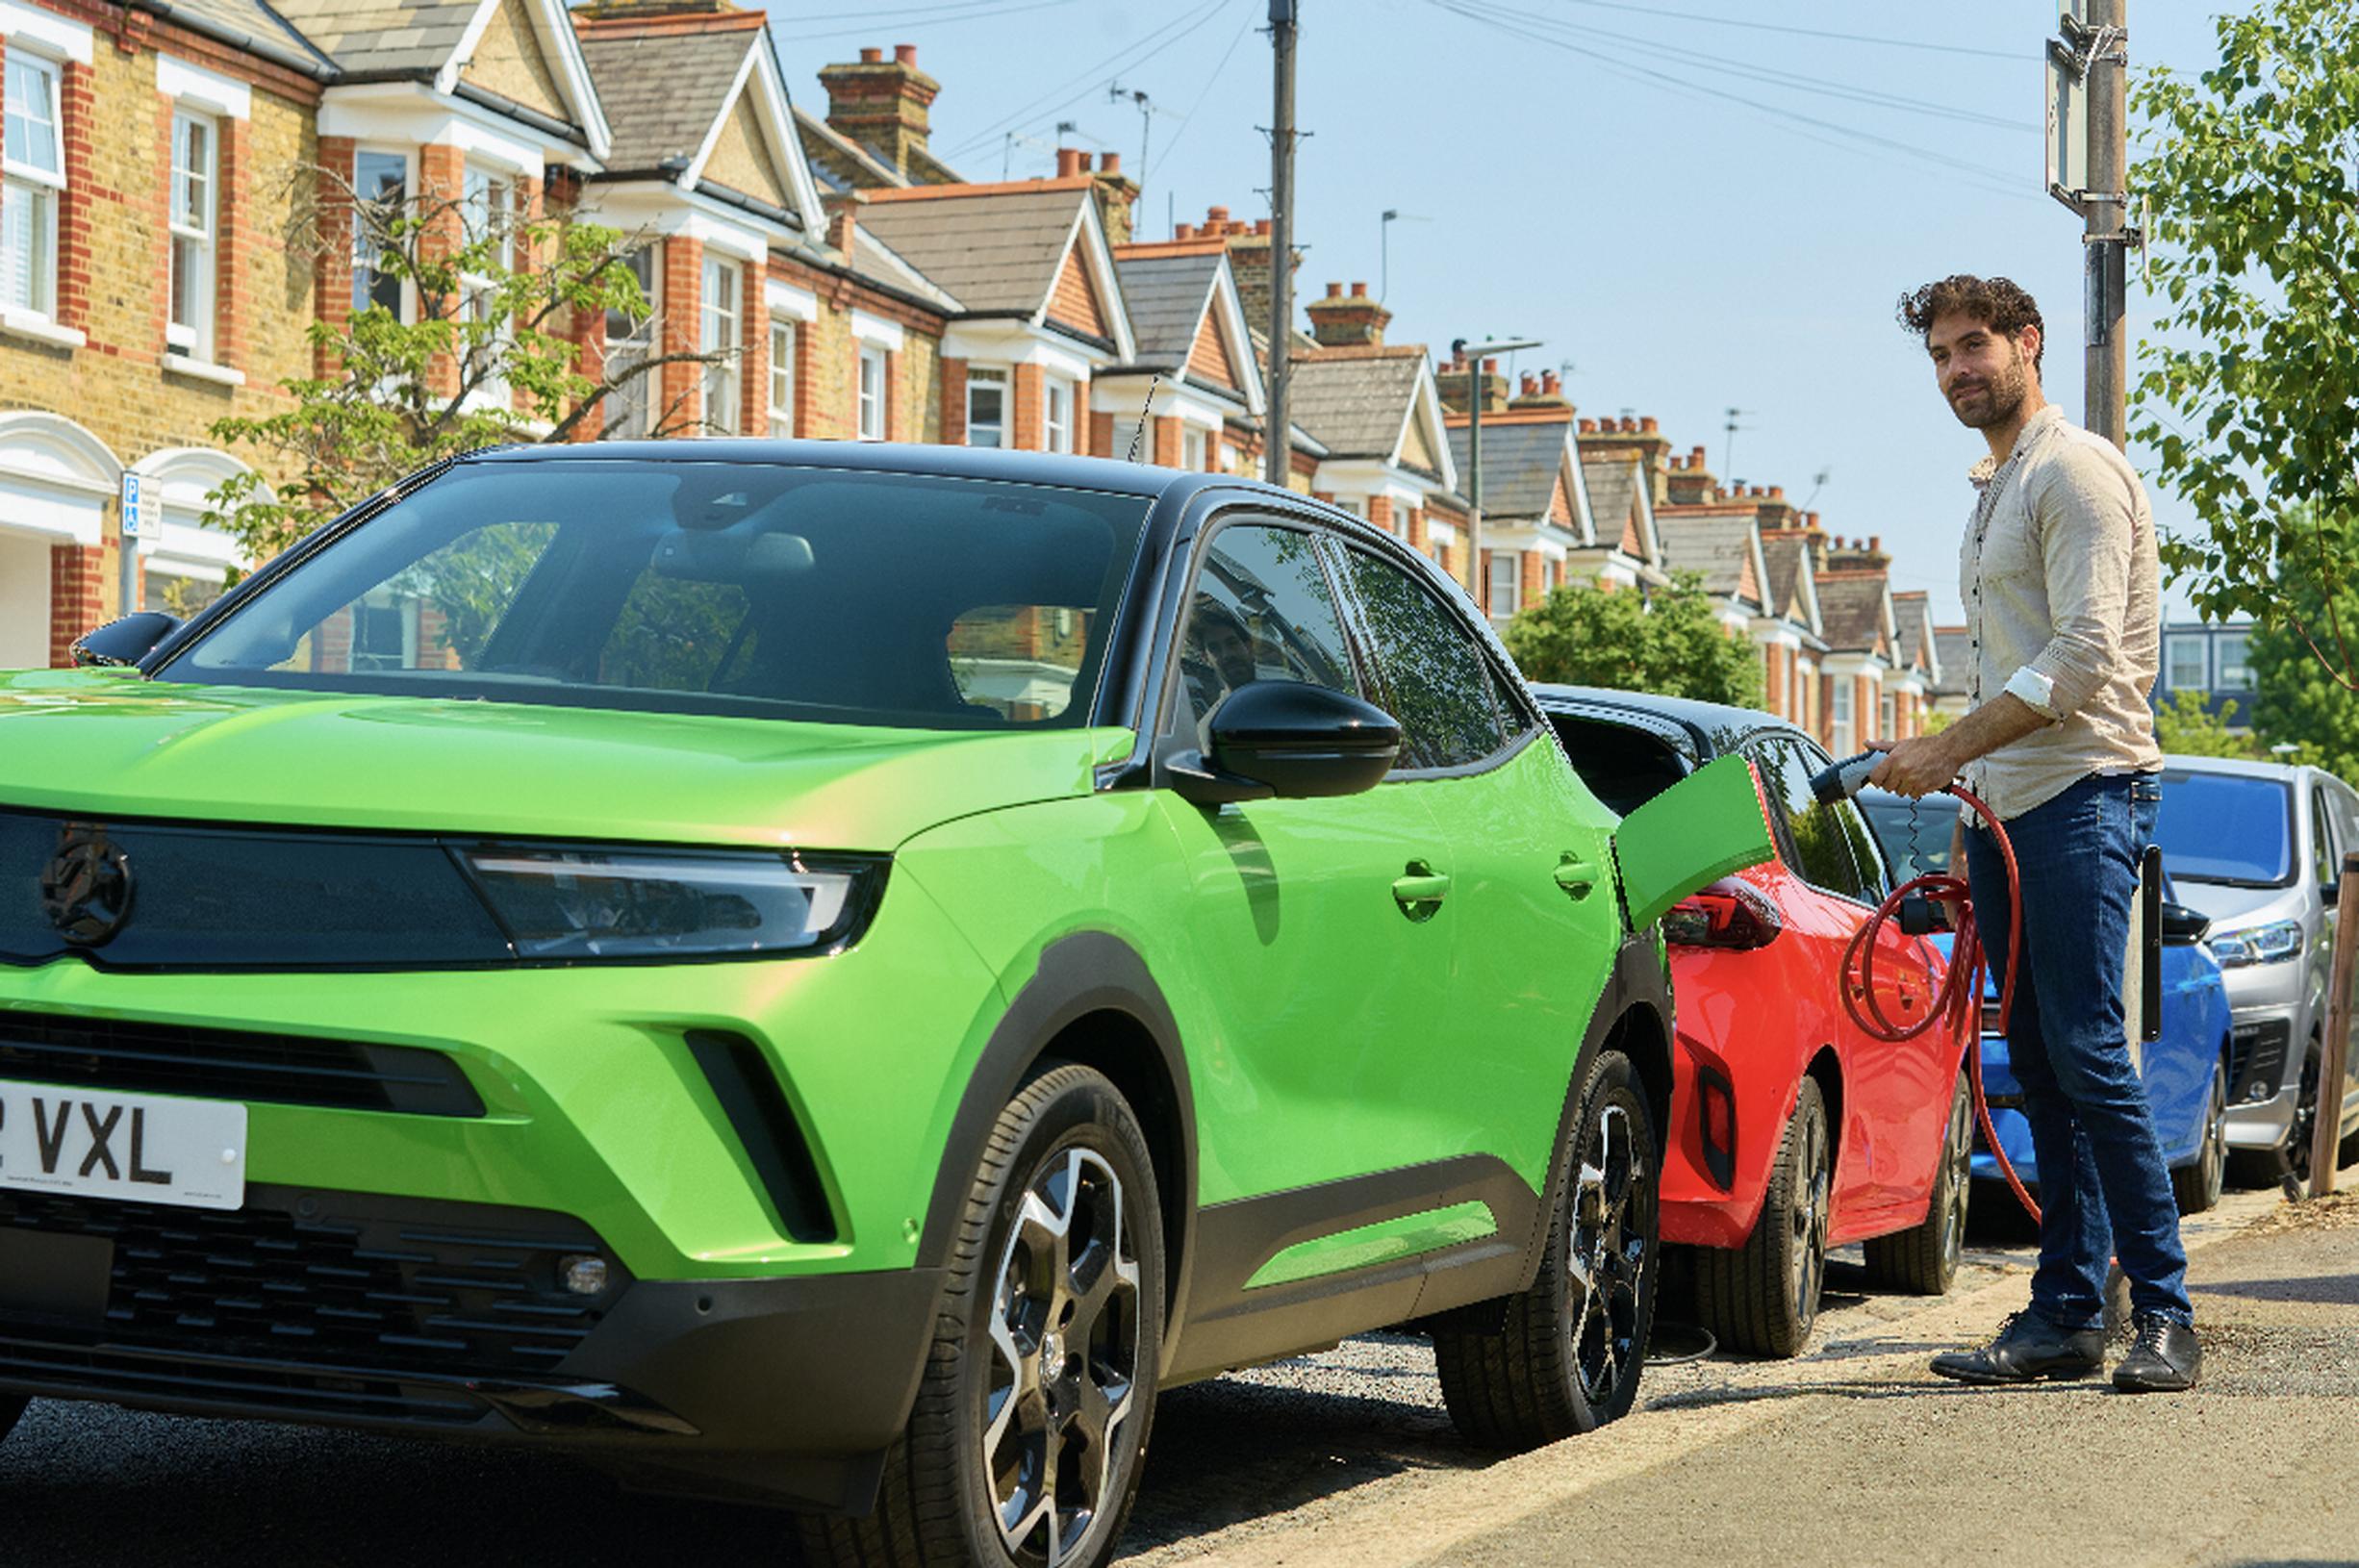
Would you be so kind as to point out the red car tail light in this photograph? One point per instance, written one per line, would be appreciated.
(1731, 913)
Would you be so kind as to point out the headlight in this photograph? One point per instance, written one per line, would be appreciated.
(625, 903)
(2269, 944)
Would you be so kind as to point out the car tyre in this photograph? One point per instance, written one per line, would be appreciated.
(1763, 1298)
(1568, 1351)
(1031, 1427)
(2197, 1185)
(1923, 1261)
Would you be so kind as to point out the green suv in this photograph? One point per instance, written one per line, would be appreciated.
(824, 975)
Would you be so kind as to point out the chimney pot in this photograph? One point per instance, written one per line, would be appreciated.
(1359, 291)
(1069, 162)
(1216, 218)
(1875, 543)
(1757, 490)
(1548, 381)
(1677, 461)
(1334, 290)
(1777, 493)
(1261, 225)
(1530, 384)
(1647, 423)
(871, 57)
(1183, 231)
(1695, 458)
(1588, 427)
(905, 54)
(1490, 368)
(1630, 426)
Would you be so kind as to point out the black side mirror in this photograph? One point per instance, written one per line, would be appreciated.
(1291, 740)
(124, 641)
(2182, 927)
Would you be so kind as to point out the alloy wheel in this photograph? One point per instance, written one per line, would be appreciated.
(1812, 1213)
(1958, 1155)
(1065, 1331)
(2305, 1119)
(1606, 1247)
(2216, 1134)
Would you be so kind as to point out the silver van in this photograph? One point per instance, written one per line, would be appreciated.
(2258, 847)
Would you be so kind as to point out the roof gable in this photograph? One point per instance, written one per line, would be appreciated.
(768, 132)
(1074, 301)
(508, 60)
(740, 160)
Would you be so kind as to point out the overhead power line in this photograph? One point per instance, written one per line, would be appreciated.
(943, 15)
(1072, 90)
(1656, 13)
(1198, 102)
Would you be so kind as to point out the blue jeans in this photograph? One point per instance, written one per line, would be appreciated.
(2092, 1128)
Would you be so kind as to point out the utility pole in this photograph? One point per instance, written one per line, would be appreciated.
(1477, 357)
(2106, 237)
(1277, 457)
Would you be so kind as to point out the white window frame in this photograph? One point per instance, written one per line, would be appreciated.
(1055, 431)
(630, 410)
(2174, 647)
(1841, 716)
(487, 200)
(1510, 588)
(194, 245)
(408, 157)
(1888, 716)
(41, 187)
(718, 328)
(996, 377)
(870, 380)
(1192, 449)
(784, 341)
(2235, 667)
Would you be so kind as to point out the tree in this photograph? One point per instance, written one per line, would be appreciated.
(486, 357)
(2295, 698)
(2185, 727)
(1669, 642)
(2252, 394)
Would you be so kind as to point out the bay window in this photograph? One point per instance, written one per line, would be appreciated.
(718, 335)
(1056, 424)
(628, 344)
(781, 378)
(986, 408)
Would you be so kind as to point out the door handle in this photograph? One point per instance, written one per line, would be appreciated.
(1575, 875)
(1420, 889)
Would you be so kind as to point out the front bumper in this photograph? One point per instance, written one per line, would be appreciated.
(455, 1319)
(2264, 1076)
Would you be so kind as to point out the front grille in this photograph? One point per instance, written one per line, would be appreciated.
(367, 1286)
(2256, 1058)
(232, 1064)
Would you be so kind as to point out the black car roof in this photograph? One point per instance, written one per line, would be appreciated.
(1098, 473)
(1714, 728)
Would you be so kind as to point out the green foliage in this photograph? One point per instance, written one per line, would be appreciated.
(1669, 641)
(2185, 727)
(2295, 697)
(485, 360)
(2251, 391)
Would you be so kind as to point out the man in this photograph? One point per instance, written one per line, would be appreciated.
(2059, 573)
(1216, 658)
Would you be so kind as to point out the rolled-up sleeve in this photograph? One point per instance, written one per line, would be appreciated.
(2086, 511)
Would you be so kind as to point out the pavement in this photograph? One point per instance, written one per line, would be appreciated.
(1852, 1453)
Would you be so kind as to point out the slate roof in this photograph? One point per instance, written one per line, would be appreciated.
(871, 257)
(1851, 607)
(1520, 465)
(997, 250)
(1909, 610)
(1955, 647)
(662, 91)
(258, 23)
(389, 36)
(821, 139)
(1356, 403)
(1612, 484)
(1787, 554)
(1167, 296)
(1718, 549)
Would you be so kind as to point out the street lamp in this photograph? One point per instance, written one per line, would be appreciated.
(1474, 355)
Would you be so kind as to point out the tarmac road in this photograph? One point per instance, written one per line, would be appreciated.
(1850, 1454)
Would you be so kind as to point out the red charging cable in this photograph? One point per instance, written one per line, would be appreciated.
(1960, 1000)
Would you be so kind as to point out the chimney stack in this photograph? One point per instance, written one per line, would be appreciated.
(1117, 196)
(884, 104)
(1351, 321)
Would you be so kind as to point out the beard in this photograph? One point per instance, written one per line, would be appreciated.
(1980, 405)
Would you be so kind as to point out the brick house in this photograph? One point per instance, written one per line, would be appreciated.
(1908, 692)
(1953, 655)
(1793, 638)
(1536, 527)
(1195, 360)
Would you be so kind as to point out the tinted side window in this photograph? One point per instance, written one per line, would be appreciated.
(1829, 845)
(1261, 611)
(2325, 848)
(1433, 676)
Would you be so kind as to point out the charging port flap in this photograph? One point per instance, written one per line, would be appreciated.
(1699, 830)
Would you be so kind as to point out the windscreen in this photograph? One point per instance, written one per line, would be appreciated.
(2224, 827)
(705, 586)
(1915, 833)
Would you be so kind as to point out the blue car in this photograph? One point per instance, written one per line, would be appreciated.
(2186, 1070)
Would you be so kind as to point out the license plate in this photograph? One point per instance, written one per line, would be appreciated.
(129, 1148)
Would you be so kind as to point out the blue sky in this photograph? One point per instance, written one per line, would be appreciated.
(1607, 193)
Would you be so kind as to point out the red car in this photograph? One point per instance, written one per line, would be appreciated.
(1791, 1131)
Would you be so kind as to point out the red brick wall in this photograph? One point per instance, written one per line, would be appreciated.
(681, 381)
(77, 596)
(753, 366)
(1165, 440)
(1536, 583)
(85, 201)
(1027, 420)
(953, 402)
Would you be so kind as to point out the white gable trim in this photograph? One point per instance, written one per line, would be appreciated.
(658, 207)
(1425, 404)
(1236, 338)
(412, 115)
(1576, 486)
(1097, 257)
(554, 33)
(777, 122)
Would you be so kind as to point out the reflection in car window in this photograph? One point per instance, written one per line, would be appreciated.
(1914, 834)
(1263, 610)
(1435, 680)
(1830, 846)
(2324, 849)
(2219, 827)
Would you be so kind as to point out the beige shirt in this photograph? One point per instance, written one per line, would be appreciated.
(2063, 594)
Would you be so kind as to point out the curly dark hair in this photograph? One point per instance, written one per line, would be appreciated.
(1998, 303)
